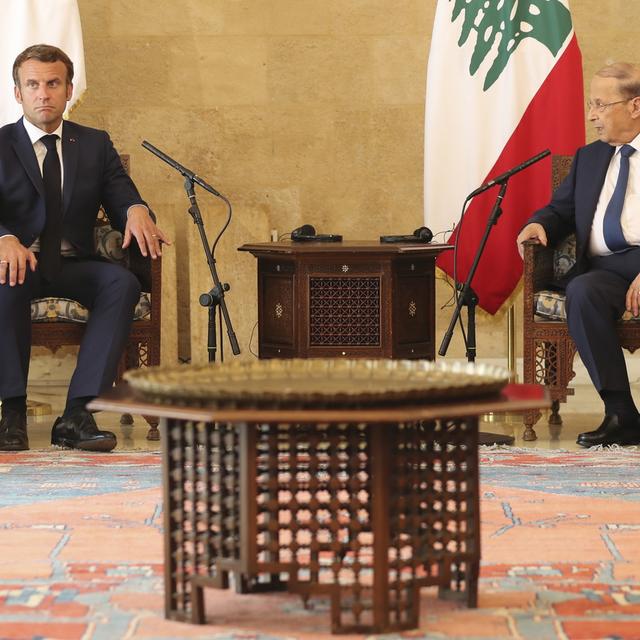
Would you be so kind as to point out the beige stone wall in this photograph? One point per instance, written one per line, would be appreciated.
(297, 110)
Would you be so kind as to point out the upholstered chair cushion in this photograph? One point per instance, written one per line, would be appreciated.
(550, 305)
(63, 309)
(108, 244)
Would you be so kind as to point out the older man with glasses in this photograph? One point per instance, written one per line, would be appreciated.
(599, 201)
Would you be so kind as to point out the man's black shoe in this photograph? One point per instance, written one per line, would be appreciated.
(80, 431)
(612, 431)
(13, 432)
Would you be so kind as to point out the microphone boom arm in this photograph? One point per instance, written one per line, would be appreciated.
(180, 169)
(503, 177)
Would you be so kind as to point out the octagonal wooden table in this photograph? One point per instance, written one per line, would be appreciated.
(365, 505)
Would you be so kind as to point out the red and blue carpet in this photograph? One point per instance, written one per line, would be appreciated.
(81, 554)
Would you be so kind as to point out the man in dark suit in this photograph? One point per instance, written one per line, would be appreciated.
(600, 202)
(54, 176)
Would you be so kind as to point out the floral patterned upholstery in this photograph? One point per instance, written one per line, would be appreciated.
(108, 244)
(550, 305)
(564, 257)
(54, 309)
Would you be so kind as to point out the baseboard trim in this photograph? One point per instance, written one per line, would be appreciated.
(57, 370)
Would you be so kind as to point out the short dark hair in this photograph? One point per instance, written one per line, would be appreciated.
(43, 53)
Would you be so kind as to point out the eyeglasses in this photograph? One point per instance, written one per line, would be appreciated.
(601, 106)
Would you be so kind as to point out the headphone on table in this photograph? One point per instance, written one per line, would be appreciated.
(307, 232)
(421, 234)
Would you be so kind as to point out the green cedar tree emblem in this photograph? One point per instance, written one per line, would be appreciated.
(508, 23)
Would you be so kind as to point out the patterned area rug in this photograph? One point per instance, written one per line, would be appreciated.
(81, 554)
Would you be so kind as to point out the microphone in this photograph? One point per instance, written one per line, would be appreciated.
(507, 174)
(180, 169)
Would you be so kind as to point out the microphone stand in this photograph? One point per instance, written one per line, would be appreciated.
(215, 297)
(468, 297)
(464, 296)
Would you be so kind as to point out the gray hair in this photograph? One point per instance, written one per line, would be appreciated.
(627, 75)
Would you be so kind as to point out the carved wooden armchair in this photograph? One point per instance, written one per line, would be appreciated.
(57, 322)
(548, 350)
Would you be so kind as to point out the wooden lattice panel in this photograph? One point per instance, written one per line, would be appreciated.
(546, 363)
(363, 513)
(143, 354)
(434, 513)
(314, 512)
(202, 503)
(344, 311)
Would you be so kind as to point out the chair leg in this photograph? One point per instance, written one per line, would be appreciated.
(153, 434)
(530, 377)
(529, 419)
(138, 354)
(126, 419)
(555, 417)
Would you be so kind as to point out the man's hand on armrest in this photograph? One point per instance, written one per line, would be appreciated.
(632, 301)
(14, 259)
(141, 226)
(533, 231)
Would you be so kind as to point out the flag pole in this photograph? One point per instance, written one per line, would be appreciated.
(511, 344)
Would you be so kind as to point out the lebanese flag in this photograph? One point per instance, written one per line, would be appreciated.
(27, 22)
(504, 83)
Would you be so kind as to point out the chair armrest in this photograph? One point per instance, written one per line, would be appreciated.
(537, 273)
(538, 267)
(141, 267)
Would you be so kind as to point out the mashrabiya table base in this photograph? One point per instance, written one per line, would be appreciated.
(364, 505)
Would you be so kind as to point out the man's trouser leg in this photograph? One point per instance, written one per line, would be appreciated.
(15, 335)
(595, 302)
(110, 292)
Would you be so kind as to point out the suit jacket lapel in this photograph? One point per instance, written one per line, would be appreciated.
(70, 153)
(27, 156)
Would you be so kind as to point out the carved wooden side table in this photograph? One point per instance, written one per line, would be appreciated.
(352, 299)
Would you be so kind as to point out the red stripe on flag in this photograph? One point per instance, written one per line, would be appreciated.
(554, 120)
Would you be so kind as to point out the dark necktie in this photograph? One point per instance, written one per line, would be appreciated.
(51, 236)
(613, 236)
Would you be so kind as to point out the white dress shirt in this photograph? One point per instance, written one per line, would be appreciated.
(630, 219)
